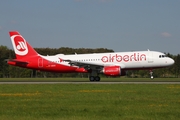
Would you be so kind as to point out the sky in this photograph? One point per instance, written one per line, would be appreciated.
(120, 25)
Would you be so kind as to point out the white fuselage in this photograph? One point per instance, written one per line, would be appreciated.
(126, 60)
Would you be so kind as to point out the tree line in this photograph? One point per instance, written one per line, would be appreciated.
(17, 72)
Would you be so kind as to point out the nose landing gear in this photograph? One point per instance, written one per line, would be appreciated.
(151, 74)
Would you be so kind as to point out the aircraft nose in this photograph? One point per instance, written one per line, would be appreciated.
(170, 61)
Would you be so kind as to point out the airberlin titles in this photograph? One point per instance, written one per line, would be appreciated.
(123, 58)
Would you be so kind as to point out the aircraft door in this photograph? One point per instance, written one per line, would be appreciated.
(40, 62)
(150, 57)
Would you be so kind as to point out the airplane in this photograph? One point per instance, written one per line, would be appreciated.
(110, 64)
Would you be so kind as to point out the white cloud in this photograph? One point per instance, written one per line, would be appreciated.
(166, 34)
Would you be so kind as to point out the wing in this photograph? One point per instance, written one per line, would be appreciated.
(90, 65)
(86, 65)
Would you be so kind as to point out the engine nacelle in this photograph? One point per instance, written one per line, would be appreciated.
(113, 71)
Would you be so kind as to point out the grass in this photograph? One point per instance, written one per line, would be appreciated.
(89, 101)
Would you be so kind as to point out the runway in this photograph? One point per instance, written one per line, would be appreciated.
(34, 82)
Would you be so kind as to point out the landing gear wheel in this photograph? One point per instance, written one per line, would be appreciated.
(151, 74)
(91, 78)
(97, 78)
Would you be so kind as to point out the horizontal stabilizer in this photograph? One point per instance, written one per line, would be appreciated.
(16, 61)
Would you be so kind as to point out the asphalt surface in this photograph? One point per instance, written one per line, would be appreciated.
(153, 82)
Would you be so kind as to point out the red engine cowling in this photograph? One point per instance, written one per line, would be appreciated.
(113, 71)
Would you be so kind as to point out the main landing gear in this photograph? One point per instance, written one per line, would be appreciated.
(94, 78)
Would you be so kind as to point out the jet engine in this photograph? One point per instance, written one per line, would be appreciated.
(113, 71)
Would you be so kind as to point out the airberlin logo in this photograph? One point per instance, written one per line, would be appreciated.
(124, 58)
(19, 44)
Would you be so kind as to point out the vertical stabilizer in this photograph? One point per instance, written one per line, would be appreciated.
(21, 47)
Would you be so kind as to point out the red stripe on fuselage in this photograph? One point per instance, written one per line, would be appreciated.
(39, 63)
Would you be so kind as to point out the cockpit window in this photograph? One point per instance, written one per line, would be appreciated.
(162, 56)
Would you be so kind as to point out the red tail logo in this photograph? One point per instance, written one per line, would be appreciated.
(19, 45)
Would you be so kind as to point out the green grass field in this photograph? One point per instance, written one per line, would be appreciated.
(89, 101)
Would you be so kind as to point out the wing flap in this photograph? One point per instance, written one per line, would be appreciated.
(81, 63)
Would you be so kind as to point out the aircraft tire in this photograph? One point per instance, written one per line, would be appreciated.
(91, 78)
(97, 78)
